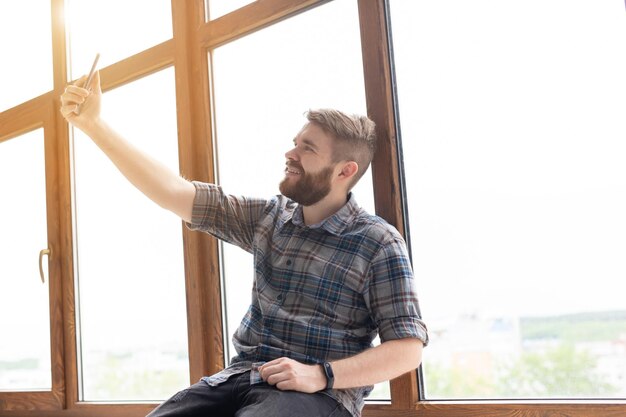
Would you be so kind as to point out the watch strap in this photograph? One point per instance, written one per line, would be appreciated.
(330, 376)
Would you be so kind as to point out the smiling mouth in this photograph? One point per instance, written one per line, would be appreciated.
(293, 171)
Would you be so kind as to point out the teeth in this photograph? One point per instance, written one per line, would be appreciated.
(291, 171)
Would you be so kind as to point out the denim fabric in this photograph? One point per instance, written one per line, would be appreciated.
(237, 398)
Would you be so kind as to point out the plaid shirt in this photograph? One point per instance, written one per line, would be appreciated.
(320, 292)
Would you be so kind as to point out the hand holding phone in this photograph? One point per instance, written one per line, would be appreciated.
(89, 78)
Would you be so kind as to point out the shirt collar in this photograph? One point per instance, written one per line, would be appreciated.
(334, 224)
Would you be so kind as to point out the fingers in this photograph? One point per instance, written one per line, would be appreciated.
(75, 95)
(71, 99)
(276, 372)
(288, 374)
(284, 380)
(68, 111)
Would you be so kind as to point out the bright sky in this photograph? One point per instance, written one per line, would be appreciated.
(513, 130)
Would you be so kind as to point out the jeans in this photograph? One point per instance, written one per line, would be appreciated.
(237, 398)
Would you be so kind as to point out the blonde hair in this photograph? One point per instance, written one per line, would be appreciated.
(355, 137)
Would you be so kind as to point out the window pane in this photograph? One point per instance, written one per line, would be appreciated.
(263, 85)
(25, 28)
(513, 132)
(218, 8)
(116, 29)
(130, 257)
(24, 302)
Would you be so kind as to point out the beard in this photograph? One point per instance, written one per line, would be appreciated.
(309, 189)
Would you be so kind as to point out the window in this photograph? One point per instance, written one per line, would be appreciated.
(117, 302)
(130, 257)
(263, 82)
(27, 26)
(513, 137)
(116, 29)
(25, 363)
(218, 8)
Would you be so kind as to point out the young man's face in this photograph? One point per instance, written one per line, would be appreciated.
(309, 171)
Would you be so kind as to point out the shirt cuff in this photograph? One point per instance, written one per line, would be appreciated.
(403, 328)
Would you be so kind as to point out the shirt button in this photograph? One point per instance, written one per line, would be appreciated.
(288, 262)
(280, 297)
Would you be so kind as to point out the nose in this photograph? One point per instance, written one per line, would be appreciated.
(292, 154)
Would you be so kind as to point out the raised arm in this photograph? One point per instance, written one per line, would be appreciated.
(155, 180)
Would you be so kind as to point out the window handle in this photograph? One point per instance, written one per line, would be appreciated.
(41, 254)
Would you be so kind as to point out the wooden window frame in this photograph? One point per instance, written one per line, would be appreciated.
(187, 51)
(35, 114)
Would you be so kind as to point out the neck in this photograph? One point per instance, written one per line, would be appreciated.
(323, 209)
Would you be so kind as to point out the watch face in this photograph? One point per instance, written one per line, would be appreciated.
(330, 376)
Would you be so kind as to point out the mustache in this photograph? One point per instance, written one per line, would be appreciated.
(291, 164)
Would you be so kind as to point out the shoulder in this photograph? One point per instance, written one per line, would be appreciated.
(371, 238)
(355, 220)
(374, 227)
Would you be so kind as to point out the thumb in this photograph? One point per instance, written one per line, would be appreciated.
(95, 83)
(81, 81)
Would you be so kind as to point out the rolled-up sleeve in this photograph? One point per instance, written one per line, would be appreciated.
(230, 218)
(392, 296)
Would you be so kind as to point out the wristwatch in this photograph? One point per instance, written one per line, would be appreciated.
(330, 376)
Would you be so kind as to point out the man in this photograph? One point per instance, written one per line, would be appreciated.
(328, 276)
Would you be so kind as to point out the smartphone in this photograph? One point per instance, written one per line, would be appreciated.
(89, 78)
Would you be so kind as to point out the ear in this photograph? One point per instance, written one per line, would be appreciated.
(349, 170)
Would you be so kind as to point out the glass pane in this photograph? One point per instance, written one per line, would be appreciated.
(513, 132)
(24, 302)
(130, 257)
(116, 29)
(269, 80)
(25, 28)
(218, 8)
